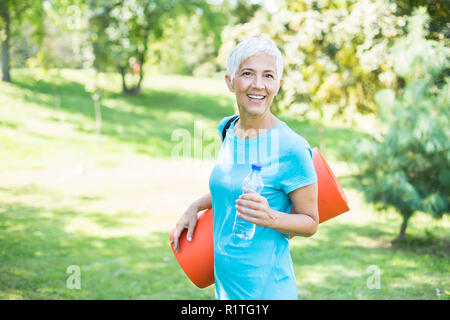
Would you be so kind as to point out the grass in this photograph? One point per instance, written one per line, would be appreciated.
(106, 203)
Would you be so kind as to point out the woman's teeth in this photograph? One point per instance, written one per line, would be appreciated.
(256, 97)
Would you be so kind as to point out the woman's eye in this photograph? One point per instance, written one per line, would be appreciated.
(246, 73)
(269, 76)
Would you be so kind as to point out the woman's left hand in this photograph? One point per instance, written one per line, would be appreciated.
(254, 208)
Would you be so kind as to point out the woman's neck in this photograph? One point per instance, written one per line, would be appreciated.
(251, 127)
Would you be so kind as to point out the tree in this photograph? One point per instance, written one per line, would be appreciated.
(11, 13)
(121, 30)
(407, 169)
(335, 53)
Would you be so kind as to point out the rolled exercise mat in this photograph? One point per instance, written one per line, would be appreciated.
(331, 198)
(196, 258)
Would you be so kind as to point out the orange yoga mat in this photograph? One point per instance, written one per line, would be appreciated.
(196, 258)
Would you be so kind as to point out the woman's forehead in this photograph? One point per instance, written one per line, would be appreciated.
(263, 62)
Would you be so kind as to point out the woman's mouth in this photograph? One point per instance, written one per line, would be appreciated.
(256, 98)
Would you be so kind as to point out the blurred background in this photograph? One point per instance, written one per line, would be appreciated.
(108, 131)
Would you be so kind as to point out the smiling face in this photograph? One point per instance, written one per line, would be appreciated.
(255, 84)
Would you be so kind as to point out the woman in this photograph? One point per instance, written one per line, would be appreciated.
(259, 268)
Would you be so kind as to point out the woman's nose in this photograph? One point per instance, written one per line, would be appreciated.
(258, 83)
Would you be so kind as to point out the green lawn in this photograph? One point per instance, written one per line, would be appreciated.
(107, 203)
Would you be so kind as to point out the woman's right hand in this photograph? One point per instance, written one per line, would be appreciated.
(187, 221)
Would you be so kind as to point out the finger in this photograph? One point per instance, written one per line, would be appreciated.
(244, 214)
(190, 231)
(251, 196)
(247, 211)
(176, 237)
(248, 203)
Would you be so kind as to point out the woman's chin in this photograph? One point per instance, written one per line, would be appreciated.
(254, 110)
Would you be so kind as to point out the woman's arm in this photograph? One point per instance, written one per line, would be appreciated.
(305, 218)
(189, 219)
(203, 203)
(303, 222)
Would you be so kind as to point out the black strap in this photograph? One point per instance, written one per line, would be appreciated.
(227, 125)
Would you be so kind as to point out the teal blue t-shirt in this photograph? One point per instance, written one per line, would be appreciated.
(259, 268)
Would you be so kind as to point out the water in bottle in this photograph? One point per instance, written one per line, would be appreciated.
(254, 183)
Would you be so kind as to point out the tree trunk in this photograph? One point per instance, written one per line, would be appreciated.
(141, 56)
(123, 72)
(133, 90)
(406, 217)
(5, 47)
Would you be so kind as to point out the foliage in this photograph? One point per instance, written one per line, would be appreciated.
(439, 13)
(17, 11)
(12, 13)
(121, 31)
(335, 53)
(408, 168)
(190, 43)
(65, 44)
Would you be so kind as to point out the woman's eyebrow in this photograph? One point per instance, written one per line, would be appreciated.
(267, 70)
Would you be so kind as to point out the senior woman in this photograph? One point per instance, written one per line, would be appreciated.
(259, 268)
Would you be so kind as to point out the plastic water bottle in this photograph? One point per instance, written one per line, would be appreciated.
(253, 182)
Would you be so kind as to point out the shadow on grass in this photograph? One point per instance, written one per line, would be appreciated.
(38, 243)
(337, 264)
(141, 120)
(426, 244)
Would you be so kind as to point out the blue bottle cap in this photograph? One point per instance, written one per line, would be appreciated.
(256, 167)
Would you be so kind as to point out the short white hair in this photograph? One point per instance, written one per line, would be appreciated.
(253, 47)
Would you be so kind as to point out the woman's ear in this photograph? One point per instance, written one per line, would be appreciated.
(281, 81)
(229, 84)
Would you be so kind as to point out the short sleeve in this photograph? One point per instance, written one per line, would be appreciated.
(298, 168)
(222, 124)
